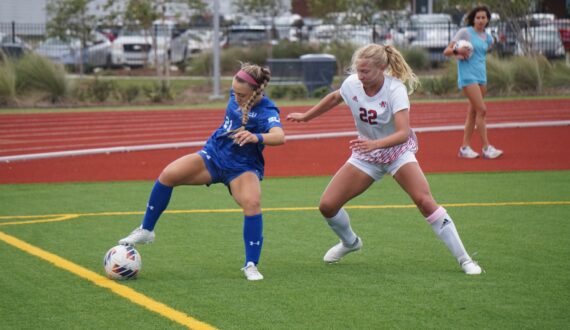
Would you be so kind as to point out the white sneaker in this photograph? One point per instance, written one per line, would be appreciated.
(138, 236)
(338, 251)
(471, 267)
(491, 152)
(251, 272)
(467, 152)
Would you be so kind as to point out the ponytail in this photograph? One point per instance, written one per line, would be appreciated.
(399, 68)
(388, 56)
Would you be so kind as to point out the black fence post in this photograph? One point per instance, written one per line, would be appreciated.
(13, 32)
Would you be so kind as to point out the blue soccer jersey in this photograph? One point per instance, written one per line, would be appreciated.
(220, 147)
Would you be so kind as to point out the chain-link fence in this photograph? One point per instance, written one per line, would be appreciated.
(136, 47)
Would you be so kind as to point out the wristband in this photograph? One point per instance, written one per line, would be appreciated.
(259, 138)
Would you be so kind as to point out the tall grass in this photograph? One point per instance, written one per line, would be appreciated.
(442, 84)
(560, 76)
(38, 74)
(530, 73)
(499, 75)
(7, 83)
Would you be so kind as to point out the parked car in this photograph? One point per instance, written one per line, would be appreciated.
(563, 26)
(134, 47)
(438, 22)
(543, 40)
(200, 40)
(434, 41)
(96, 52)
(248, 35)
(12, 46)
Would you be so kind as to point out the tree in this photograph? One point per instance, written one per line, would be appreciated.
(69, 20)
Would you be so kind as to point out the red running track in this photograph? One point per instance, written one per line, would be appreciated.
(51, 132)
(536, 148)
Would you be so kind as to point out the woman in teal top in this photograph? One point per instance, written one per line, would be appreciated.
(472, 78)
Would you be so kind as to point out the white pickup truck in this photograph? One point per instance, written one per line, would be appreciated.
(134, 47)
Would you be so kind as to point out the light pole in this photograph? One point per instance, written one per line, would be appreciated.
(216, 48)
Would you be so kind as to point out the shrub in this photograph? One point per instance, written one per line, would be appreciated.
(7, 83)
(37, 73)
(231, 58)
(529, 73)
(158, 92)
(442, 84)
(297, 92)
(321, 92)
(288, 49)
(201, 65)
(499, 76)
(560, 76)
(292, 92)
(100, 90)
(343, 53)
(127, 93)
(417, 58)
(277, 92)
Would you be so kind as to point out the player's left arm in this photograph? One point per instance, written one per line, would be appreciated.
(274, 137)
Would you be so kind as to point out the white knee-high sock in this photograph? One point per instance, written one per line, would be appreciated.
(444, 228)
(340, 224)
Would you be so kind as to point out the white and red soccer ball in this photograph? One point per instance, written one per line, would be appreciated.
(122, 262)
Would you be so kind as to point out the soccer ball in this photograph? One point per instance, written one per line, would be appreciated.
(122, 262)
(463, 44)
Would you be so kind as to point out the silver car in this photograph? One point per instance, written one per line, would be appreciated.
(96, 53)
(543, 40)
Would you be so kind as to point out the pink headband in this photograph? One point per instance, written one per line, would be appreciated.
(247, 77)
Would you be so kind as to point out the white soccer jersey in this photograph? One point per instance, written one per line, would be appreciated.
(374, 115)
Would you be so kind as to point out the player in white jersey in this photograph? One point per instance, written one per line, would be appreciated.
(378, 98)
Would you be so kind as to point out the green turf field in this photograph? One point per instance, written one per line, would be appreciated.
(516, 224)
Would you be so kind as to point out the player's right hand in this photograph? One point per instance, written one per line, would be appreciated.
(296, 117)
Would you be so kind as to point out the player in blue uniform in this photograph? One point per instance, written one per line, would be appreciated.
(232, 156)
(472, 79)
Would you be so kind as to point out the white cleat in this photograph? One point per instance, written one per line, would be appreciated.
(338, 251)
(138, 236)
(471, 267)
(251, 272)
(491, 152)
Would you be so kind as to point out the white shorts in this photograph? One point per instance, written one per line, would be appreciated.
(377, 171)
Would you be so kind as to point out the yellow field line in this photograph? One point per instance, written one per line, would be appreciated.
(121, 290)
(62, 217)
(151, 304)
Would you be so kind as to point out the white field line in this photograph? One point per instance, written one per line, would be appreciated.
(178, 145)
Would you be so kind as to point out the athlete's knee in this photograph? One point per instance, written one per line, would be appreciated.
(328, 209)
(169, 177)
(481, 110)
(425, 203)
(251, 205)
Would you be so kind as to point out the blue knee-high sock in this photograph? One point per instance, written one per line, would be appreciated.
(157, 203)
(253, 237)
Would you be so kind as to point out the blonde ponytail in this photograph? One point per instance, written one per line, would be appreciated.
(399, 68)
(389, 57)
